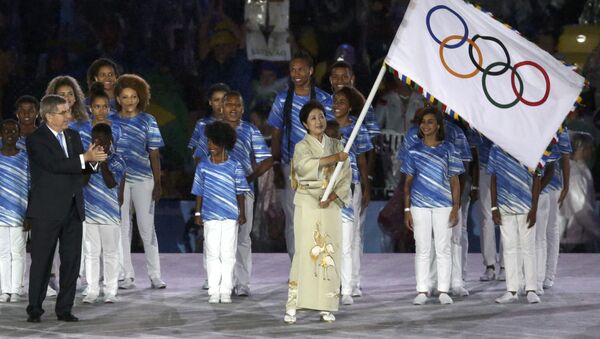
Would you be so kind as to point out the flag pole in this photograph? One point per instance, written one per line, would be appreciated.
(359, 122)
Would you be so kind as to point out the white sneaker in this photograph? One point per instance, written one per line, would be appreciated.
(90, 299)
(327, 317)
(533, 298)
(15, 298)
(213, 299)
(4, 298)
(126, 283)
(488, 275)
(53, 283)
(50, 292)
(226, 298)
(347, 299)
(501, 274)
(357, 292)
(420, 299)
(460, 291)
(157, 283)
(507, 298)
(242, 291)
(205, 285)
(290, 317)
(548, 283)
(110, 299)
(445, 299)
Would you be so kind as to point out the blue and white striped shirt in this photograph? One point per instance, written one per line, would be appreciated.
(198, 132)
(219, 185)
(139, 135)
(454, 135)
(102, 203)
(277, 120)
(562, 147)
(431, 169)
(14, 188)
(362, 143)
(514, 182)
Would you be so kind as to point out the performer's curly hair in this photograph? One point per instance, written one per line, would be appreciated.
(221, 134)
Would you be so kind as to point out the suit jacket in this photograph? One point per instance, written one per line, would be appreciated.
(55, 179)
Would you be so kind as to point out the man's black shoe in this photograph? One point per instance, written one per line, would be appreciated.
(67, 317)
(34, 319)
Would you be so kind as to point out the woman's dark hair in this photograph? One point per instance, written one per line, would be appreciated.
(10, 121)
(97, 91)
(308, 107)
(341, 64)
(136, 83)
(287, 106)
(102, 129)
(441, 133)
(221, 134)
(94, 68)
(27, 99)
(218, 87)
(356, 100)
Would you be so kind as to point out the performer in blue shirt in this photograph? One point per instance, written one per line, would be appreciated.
(215, 103)
(346, 103)
(139, 145)
(515, 191)
(103, 194)
(432, 201)
(555, 186)
(14, 190)
(288, 130)
(219, 187)
(252, 152)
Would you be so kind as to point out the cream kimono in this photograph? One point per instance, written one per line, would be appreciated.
(314, 277)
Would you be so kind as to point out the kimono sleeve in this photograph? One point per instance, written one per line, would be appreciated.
(306, 164)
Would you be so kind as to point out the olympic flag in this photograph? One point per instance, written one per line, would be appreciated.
(506, 87)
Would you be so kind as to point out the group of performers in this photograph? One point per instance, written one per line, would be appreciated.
(446, 166)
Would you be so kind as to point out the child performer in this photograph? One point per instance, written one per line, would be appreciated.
(103, 194)
(432, 201)
(515, 192)
(100, 110)
(139, 145)
(219, 186)
(347, 101)
(14, 189)
(250, 148)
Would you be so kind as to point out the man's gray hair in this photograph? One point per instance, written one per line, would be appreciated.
(49, 104)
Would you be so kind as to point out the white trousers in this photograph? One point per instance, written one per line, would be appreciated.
(346, 269)
(427, 221)
(286, 197)
(552, 235)
(519, 246)
(541, 244)
(12, 256)
(243, 256)
(488, 229)
(357, 239)
(220, 241)
(140, 195)
(102, 240)
(460, 243)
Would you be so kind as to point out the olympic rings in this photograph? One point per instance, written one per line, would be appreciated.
(546, 78)
(486, 71)
(487, 94)
(464, 23)
(490, 38)
(471, 45)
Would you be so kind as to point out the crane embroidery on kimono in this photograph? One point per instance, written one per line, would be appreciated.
(321, 253)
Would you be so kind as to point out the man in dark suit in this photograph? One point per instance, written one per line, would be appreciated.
(56, 211)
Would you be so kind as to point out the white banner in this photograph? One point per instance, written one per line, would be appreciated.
(267, 23)
(506, 87)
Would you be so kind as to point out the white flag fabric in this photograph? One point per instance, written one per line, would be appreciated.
(505, 86)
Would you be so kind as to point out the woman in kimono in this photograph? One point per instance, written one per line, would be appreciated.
(314, 277)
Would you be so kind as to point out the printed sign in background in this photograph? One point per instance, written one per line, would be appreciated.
(267, 23)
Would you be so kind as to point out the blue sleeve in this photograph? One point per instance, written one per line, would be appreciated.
(276, 115)
(408, 165)
(363, 141)
(371, 123)
(564, 142)
(241, 185)
(491, 167)
(193, 143)
(117, 168)
(462, 145)
(259, 146)
(198, 185)
(455, 164)
(154, 139)
(410, 139)
(327, 101)
(201, 151)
